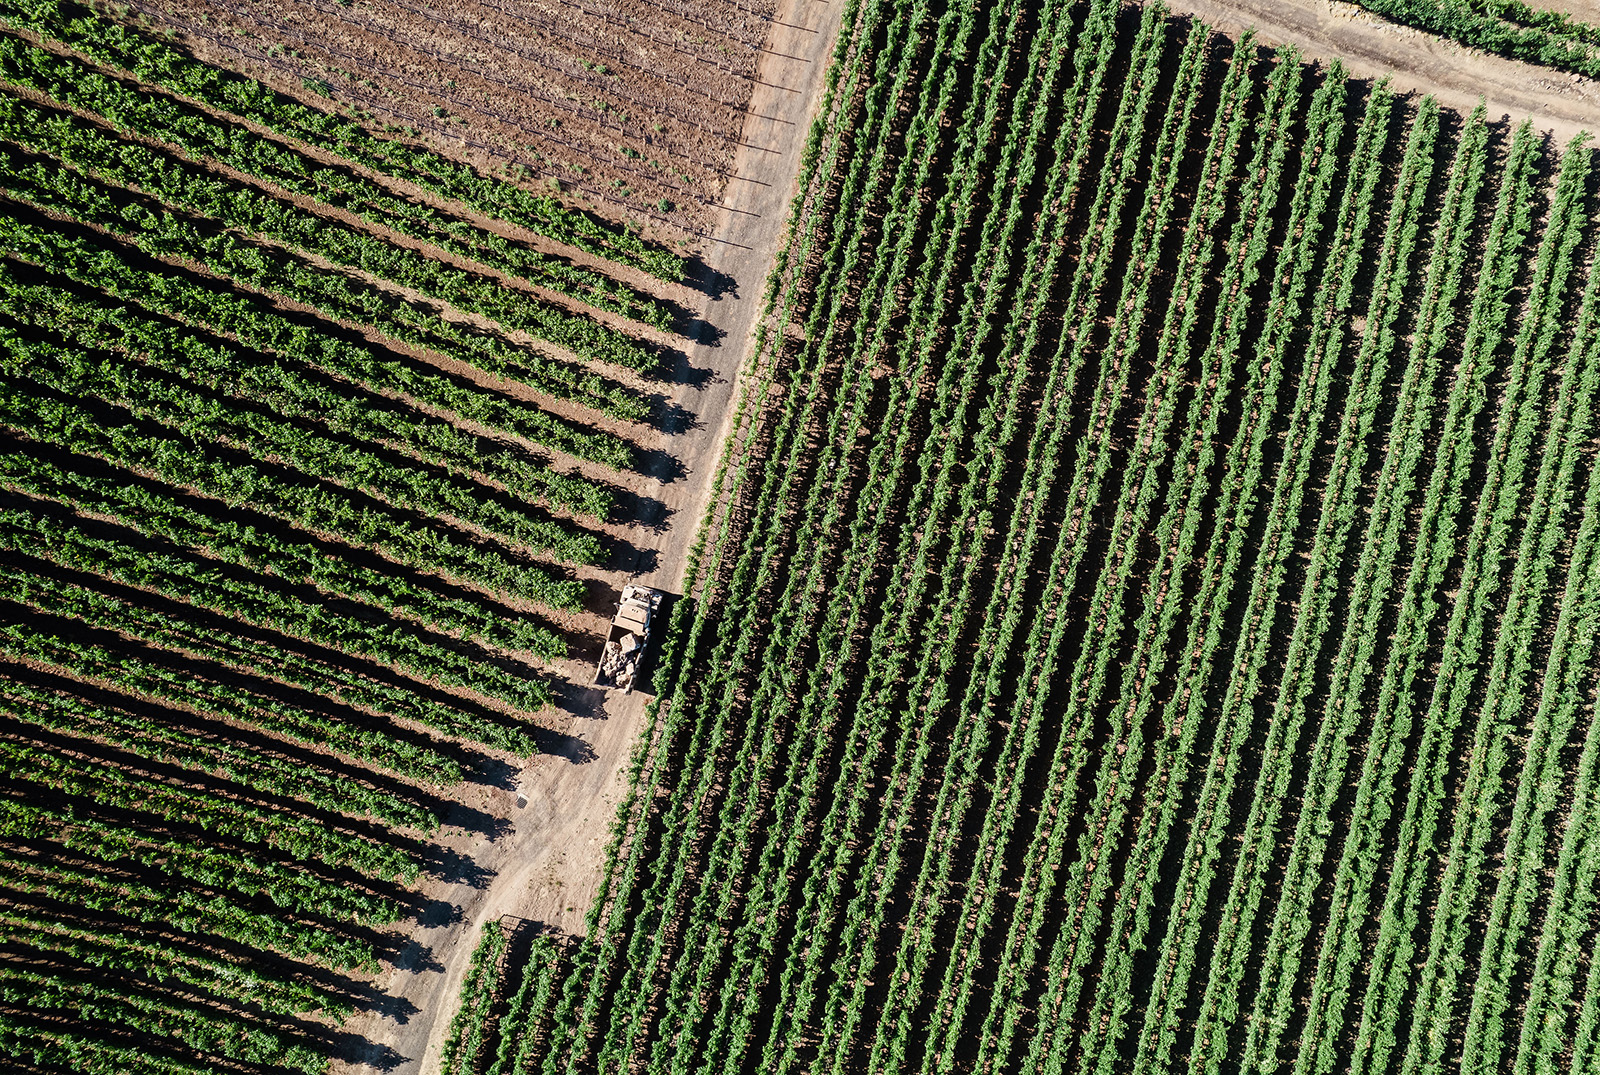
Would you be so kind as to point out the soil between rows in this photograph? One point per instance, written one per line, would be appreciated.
(545, 866)
(625, 104)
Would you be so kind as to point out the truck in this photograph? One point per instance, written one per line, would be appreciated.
(630, 630)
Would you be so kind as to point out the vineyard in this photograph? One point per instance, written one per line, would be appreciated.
(314, 492)
(1150, 621)
(634, 107)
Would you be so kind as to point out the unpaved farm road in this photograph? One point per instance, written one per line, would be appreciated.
(545, 864)
(1414, 61)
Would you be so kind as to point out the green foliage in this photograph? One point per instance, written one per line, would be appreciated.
(465, 1039)
(79, 85)
(177, 184)
(1145, 634)
(284, 553)
(161, 64)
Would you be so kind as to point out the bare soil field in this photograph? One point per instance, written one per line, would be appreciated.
(635, 107)
(545, 863)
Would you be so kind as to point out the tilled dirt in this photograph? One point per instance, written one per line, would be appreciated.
(633, 107)
(545, 866)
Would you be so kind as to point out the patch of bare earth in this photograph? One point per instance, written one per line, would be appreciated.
(1415, 62)
(633, 108)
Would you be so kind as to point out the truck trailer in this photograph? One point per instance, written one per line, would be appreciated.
(630, 630)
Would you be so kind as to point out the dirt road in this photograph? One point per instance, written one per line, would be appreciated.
(545, 863)
(1416, 62)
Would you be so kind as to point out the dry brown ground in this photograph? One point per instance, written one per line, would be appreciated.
(1583, 10)
(628, 104)
(1417, 62)
(546, 866)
